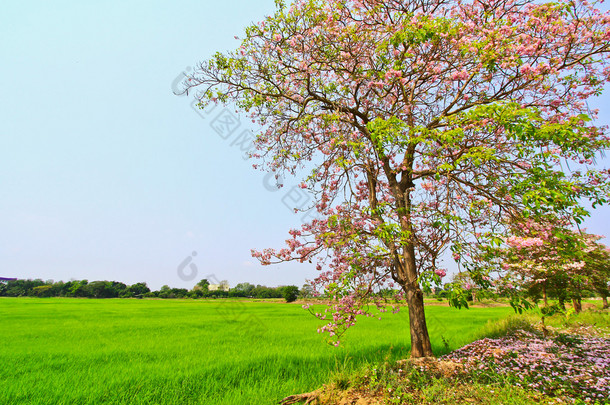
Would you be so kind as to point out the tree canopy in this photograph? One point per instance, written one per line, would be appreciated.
(429, 124)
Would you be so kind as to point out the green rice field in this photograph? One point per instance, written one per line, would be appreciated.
(86, 351)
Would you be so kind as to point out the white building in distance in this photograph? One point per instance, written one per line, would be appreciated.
(223, 286)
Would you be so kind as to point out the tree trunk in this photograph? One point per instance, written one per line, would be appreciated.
(420, 340)
(605, 302)
(577, 304)
(546, 303)
(406, 276)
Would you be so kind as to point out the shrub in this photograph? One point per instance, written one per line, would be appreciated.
(290, 293)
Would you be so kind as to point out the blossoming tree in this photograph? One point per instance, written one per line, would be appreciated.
(543, 258)
(427, 124)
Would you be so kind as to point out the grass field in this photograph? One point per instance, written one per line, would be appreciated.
(81, 351)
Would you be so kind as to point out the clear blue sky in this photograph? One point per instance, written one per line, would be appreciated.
(106, 175)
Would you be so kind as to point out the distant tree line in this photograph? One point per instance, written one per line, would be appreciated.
(115, 289)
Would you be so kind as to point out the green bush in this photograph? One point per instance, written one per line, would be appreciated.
(290, 293)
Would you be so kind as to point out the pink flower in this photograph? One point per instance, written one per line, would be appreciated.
(392, 73)
(428, 186)
(440, 272)
(462, 75)
(525, 69)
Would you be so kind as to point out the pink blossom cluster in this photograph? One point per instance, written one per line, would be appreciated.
(524, 243)
(440, 272)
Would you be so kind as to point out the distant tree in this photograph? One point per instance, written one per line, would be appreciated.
(290, 292)
(203, 284)
(20, 288)
(139, 289)
(261, 291)
(178, 293)
(43, 290)
(120, 289)
(102, 289)
(63, 289)
(78, 289)
(245, 288)
(196, 293)
(463, 288)
(306, 291)
(164, 292)
(233, 293)
(56, 288)
(16, 288)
